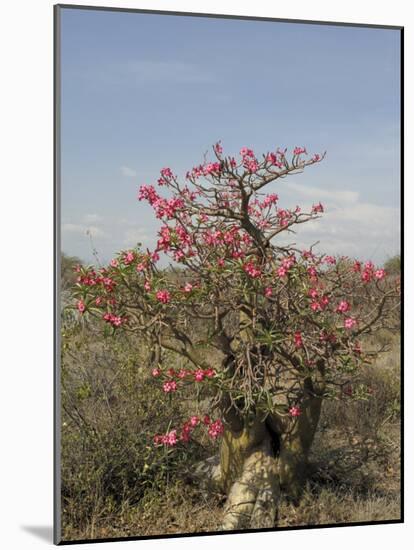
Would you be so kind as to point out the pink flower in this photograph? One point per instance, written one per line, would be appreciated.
(163, 296)
(114, 320)
(215, 429)
(295, 411)
(98, 301)
(343, 307)
(366, 275)
(269, 200)
(188, 287)
(114, 263)
(284, 216)
(268, 291)
(245, 152)
(299, 151)
(313, 293)
(349, 322)
(252, 270)
(147, 285)
(182, 373)
(199, 375)
(212, 168)
(210, 373)
(108, 283)
(272, 159)
(156, 372)
(282, 271)
(324, 301)
(317, 208)
(171, 439)
(166, 173)
(307, 254)
(251, 165)
(81, 306)
(298, 339)
(128, 258)
(206, 420)
(218, 148)
(379, 274)
(288, 262)
(316, 306)
(329, 260)
(185, 433)
(194, 421)
(148, 193)
(179, 255)
(169, 386)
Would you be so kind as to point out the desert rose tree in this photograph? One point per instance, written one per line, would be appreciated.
(262, 330)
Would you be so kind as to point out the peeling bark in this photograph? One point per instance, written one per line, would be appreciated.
(253, 494)
(257, 462)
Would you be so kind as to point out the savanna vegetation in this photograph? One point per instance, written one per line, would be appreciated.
(252, 385)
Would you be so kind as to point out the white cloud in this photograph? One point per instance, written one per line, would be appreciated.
(329, 196)
(170, 71)
(128, 172)
(82, 229)
(134, 235)
(362, 230)
(91, 218)
(347, 227)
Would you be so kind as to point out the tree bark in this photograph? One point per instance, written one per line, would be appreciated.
(260, 458)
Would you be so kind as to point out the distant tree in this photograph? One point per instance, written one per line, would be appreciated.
(67, 270)
(393, 265)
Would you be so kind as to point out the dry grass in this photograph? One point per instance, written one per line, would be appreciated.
(115, 484)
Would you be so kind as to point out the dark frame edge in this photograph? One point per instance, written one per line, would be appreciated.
(236, 532)
(402, 339)
(228, 16)
(57, 534)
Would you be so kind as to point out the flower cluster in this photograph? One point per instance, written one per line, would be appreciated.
(249, 160)
(214, 429)
(350, 323)
(114, 320)
(251, 269)
(316, 208)
(170, 439)
(163, 296)
(343, 307)
(298, 339)
(295, 411)
(197, 375)
(169, 386)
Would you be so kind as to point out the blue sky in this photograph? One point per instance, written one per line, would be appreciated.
(144, 91)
